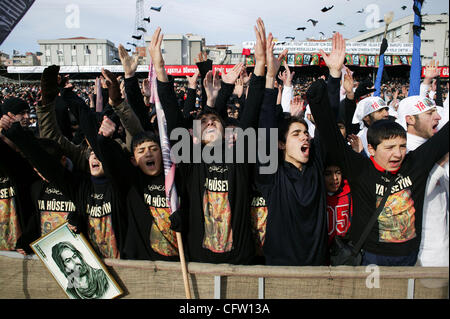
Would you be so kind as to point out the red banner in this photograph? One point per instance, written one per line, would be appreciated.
(184, 70)
(443, 70)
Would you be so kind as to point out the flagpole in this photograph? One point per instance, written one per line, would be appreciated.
(184, 270)
(169, 172)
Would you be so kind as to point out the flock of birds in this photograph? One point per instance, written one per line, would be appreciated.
(147, 19)
(340, 23)
(313, 23)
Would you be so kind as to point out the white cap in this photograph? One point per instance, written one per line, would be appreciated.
(367, 106)
(413, 105)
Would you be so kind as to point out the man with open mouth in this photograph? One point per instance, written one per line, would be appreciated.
(420, 117)
(395, 237)
(296, 228)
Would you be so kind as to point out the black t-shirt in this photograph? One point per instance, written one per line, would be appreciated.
(399, 226)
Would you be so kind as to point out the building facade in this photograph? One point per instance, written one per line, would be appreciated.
(434, 39)
(78, 51)
(179, 49)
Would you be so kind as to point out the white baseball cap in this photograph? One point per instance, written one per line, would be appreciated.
(367, 106)
(413, 105)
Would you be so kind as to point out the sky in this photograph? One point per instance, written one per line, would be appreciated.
(219, 22)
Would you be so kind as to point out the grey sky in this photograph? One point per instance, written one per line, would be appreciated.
(219, 22)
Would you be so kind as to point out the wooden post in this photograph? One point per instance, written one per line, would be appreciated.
(187, 289)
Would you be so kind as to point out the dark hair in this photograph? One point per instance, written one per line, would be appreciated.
(286, 123)
(51, 147)
(206, 111)
(384, 130)
(142, 137)
(56, 254)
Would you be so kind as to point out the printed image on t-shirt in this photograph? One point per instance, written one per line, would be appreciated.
(9, 224)
(101, 235)
(397, 220)
(162, 239)
(51, 220)
(217, 214)
(258, 213)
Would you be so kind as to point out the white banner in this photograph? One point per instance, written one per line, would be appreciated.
(368, 48)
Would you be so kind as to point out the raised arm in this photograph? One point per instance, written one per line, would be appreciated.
(166, 92)
(128, 118)
(227, 88)
(250, 115)
(48, 126)
(132, 89)
(326, 125)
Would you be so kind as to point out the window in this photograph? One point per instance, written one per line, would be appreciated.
(61, 59)
(86, 60)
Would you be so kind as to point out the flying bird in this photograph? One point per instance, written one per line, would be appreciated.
(142, 29)
(360, 11)
(314, 22)
(301, 28)
(322, 33)
(362, 30)
(131, 44)
(147, 19)
(404, 7)
(381, 20)
(116, 60)
(293, 38)
(156, 8)
(137, 37)
(128, 50)
(340, 23)
(325, 9)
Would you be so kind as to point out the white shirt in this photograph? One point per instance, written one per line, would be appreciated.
(363, 136)
(434, 247)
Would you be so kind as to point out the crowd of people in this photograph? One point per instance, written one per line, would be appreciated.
(94, 159)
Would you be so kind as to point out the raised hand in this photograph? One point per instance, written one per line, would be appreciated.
(129, 63)
(192, 80)
(432, 70)
(260, 48)
(286, 76)
(201, 57)
(107, 128)
(297, 104)
(6, 121)
(273, 63)
(232, 75)
(49, 84)
(115, 96)
(239, 87)
(245, 77)
(355, 143)
(335, 60)
(146, 88)
(156, 55)
(212, 86)
(348, 84)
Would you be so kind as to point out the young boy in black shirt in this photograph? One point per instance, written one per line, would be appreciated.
(395, 238)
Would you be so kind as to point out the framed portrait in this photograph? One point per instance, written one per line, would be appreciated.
(75, 266)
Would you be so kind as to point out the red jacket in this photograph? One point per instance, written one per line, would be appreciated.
(339, 208)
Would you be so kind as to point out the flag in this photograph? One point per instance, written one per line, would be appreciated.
(11, 12)
(169, 165)
(362, 60)
(250, 60)
(416, 65)
(298, 59)
(379, 76)
(99, 100)
(246, 52)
